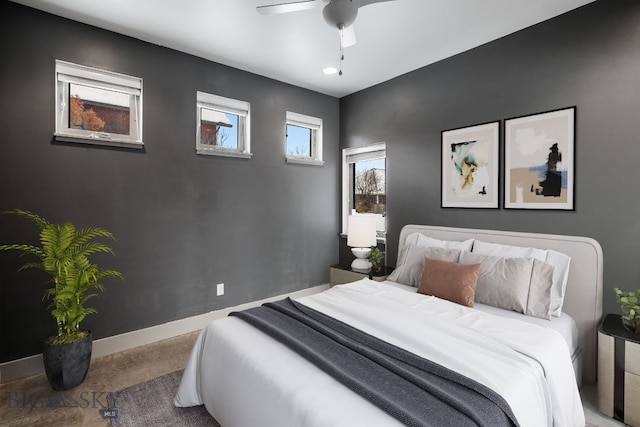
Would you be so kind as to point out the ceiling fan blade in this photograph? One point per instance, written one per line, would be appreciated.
(273, 7)
(366, 2)
(348, 36)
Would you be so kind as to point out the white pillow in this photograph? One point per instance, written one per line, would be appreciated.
(560, 263)
(412, 239)
(420, 239)
(465, 245)
(506, 251)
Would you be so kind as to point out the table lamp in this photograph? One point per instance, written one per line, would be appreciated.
(361, 235)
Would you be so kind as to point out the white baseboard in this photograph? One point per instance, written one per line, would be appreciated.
(32, 365)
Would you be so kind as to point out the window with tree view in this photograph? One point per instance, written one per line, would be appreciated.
(99, 110)
(97, 106)
(364, 189)
(370, 193)
(218, 129)
(223, 126)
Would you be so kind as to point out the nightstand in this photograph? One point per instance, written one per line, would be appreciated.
(339, 274)
(618, 371)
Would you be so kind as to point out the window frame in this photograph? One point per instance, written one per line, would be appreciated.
(351, 156)
(314, 124)
(68, 73)
(224, 105)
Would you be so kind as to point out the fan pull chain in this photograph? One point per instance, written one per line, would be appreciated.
(341, 51)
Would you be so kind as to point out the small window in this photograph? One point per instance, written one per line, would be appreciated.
(97, 107)
(364, 189)
(222, 127)
(303, 139)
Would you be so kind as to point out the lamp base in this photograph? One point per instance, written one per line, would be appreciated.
(361, 264)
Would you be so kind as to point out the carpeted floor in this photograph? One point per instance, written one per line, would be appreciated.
(151, 404)
(24, 402)
(146, 379)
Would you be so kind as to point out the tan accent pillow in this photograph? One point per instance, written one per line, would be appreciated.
(502, 282)
(542, 281)
(408, 273)
(449, 280)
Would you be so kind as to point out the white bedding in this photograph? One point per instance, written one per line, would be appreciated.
(563, 324)
(245, 378)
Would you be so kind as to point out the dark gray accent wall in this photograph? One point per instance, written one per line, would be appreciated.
(183, 222)
(588, 58)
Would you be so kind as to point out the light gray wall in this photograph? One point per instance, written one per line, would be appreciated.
(589, 58)
(183, 222)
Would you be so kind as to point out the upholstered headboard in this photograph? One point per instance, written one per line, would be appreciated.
(583, 297)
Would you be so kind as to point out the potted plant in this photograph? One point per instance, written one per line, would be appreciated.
(630, 304)
(376, 258)
(63, 253)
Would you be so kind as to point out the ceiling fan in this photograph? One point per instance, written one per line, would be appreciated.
(339, 14)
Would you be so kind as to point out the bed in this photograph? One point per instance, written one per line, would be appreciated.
(244, 377)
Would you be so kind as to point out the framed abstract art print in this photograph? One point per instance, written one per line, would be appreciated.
(539, 156)
(470, 157)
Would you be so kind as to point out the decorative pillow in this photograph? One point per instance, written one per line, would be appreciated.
(540, 287)
(420, 239)
(560, 263)
(506, 251)
(449, 280)
(502, 282)
(408, 273)
(411, 240)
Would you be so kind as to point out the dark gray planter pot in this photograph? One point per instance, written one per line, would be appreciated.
(66, 365)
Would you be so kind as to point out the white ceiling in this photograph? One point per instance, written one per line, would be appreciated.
(393, 37)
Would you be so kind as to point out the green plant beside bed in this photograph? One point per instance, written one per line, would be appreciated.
(630, 304)
(376, 257)
(63, 253)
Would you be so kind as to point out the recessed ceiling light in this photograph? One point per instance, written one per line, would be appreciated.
(330, 70)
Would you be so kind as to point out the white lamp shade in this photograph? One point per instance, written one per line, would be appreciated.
(361, 231)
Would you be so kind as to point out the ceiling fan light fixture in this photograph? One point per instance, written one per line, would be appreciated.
(330, 71)
(341, 13)
(338, 14)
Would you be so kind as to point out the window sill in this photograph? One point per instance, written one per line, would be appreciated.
(380, 240)
(223, 153)
(304, 161)
(95, 141)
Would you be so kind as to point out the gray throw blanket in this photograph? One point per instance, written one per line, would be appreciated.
(413, 390)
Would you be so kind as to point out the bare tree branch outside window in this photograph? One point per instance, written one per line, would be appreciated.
(370, 191)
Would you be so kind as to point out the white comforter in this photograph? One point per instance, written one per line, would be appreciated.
(246, 379)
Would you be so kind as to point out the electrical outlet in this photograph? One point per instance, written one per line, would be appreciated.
(220, 289)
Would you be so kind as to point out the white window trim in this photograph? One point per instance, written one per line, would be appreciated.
(67, 73)
(309, 122)
(354, 155)
(225, 105)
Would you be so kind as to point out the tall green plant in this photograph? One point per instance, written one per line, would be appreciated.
(63, 253)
